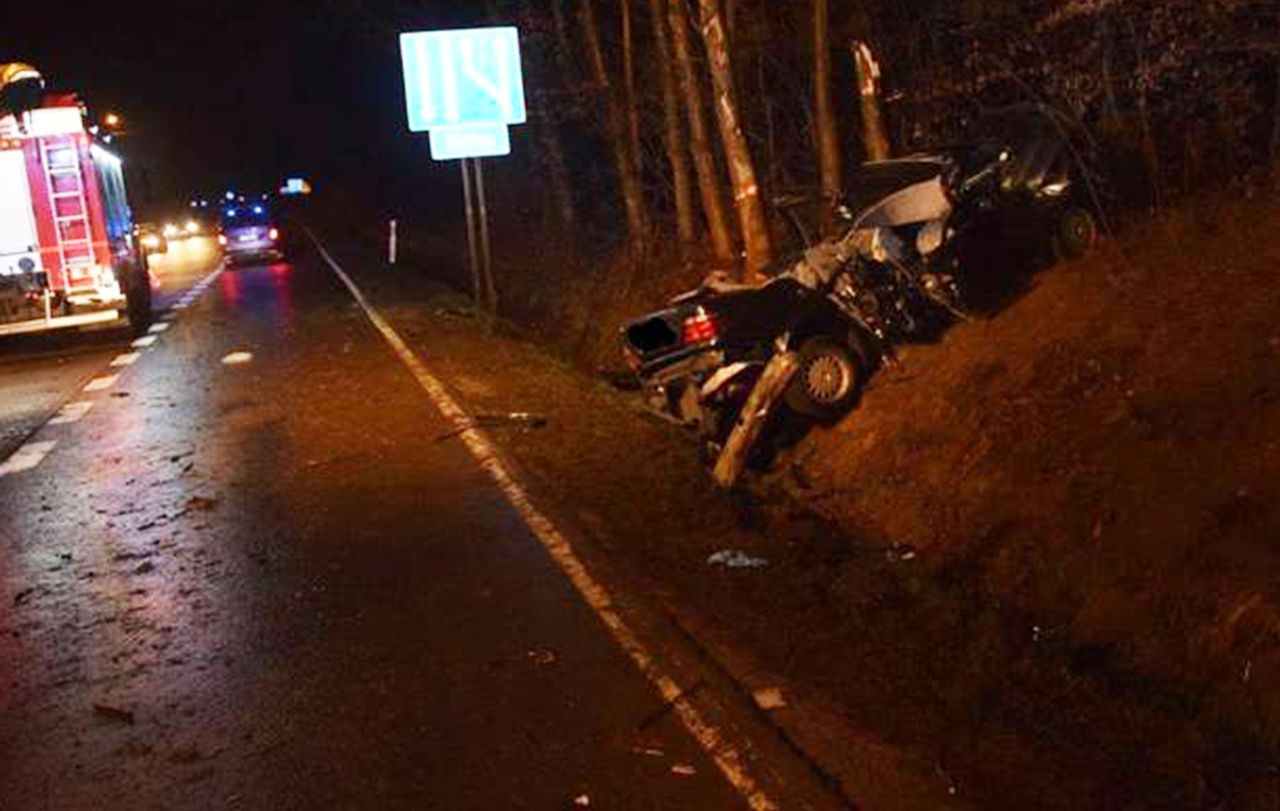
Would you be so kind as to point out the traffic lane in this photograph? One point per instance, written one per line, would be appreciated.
(41, 371)
(303, 596)
(185, 263)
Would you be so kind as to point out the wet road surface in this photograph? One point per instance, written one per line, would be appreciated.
(40, 371)
(252, 577)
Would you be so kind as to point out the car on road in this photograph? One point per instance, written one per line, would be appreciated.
(248, 233)
(151, 238)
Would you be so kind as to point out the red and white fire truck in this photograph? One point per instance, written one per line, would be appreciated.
(67, 252)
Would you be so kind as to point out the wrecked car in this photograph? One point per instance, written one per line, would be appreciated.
(893, 273)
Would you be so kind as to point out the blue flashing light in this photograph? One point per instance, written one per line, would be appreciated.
(230, 195)
(231, 212)
(257, 209)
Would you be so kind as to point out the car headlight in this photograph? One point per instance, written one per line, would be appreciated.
(193, 227)
(170, 230)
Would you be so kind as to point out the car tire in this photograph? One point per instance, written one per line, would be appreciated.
(1075, 234)
(827, 380)
(137, 295)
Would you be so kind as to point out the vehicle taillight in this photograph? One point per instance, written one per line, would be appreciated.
(700, 328)
(222, 239)
(274, 234)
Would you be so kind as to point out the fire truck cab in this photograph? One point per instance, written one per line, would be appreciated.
(67, 254)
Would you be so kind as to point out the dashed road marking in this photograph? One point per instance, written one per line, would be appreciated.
(71, 412)
(144, 342)
(713, 740)
(27, 457)
(158, 328)
(100, 383)
(127, 359)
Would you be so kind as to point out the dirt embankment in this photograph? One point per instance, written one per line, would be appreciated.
(1103, 456)
(1040, 573)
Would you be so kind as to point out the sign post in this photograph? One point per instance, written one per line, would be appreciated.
(465, 88)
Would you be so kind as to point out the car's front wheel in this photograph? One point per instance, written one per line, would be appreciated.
(826, 381)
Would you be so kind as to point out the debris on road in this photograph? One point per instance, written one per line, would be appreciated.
(113, 713)
(542, 657)
(901, 552)
(201, 503)
(648, 751)
(582, 800)
(518, 418)
(736, 559)
(145, 568)
(21, 597)
(769, 698)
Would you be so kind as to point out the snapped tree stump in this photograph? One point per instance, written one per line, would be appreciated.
(760, 404)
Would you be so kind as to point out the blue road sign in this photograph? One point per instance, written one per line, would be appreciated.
(463, 77)
(474, 141)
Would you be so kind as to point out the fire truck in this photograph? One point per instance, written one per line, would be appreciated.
(67, 252)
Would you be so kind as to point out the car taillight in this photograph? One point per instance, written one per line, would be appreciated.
(274, 234)
(700, 328)
(222, 239)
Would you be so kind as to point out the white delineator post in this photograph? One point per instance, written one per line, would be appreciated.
(391, 244)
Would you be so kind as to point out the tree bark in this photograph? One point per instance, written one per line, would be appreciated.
(677, 157)
(827, 137)
(548, 132)
(746, 194)
(629, 86)
(616, 132)
(761, 402)
(700, 148)
(875, 139)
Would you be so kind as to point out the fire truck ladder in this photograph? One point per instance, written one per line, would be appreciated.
(70, 208)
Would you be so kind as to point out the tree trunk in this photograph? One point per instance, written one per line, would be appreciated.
(616, 133)
(875, 139)
(629, 86)
(828, 139)
(746, 195)
(677, 157)
(548, 132)
(700, 148)
(1275, 132)
(761, 402)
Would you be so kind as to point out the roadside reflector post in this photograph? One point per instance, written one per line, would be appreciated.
(391, 244)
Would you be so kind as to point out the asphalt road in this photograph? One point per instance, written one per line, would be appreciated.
(39, 372)
(251, 577)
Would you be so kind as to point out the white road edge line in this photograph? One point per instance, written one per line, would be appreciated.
(100, 383)
(71, 412)
(729, 760)
(27, 457)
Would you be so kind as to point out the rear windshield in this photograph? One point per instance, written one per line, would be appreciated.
(247, 215)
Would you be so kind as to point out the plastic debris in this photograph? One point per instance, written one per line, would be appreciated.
(542, 657)
(736, 559)
(769, 698)
(901, 552)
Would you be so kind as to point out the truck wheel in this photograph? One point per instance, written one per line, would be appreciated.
(826, 380)
(137, 296)
(1075, 234)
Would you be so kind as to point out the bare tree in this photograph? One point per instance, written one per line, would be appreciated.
(616, 132)
(673, 140)
(875, 139)
(827, 137)
(755, 231)
(699, 140)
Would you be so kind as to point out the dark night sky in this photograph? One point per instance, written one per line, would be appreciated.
(239, 93)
